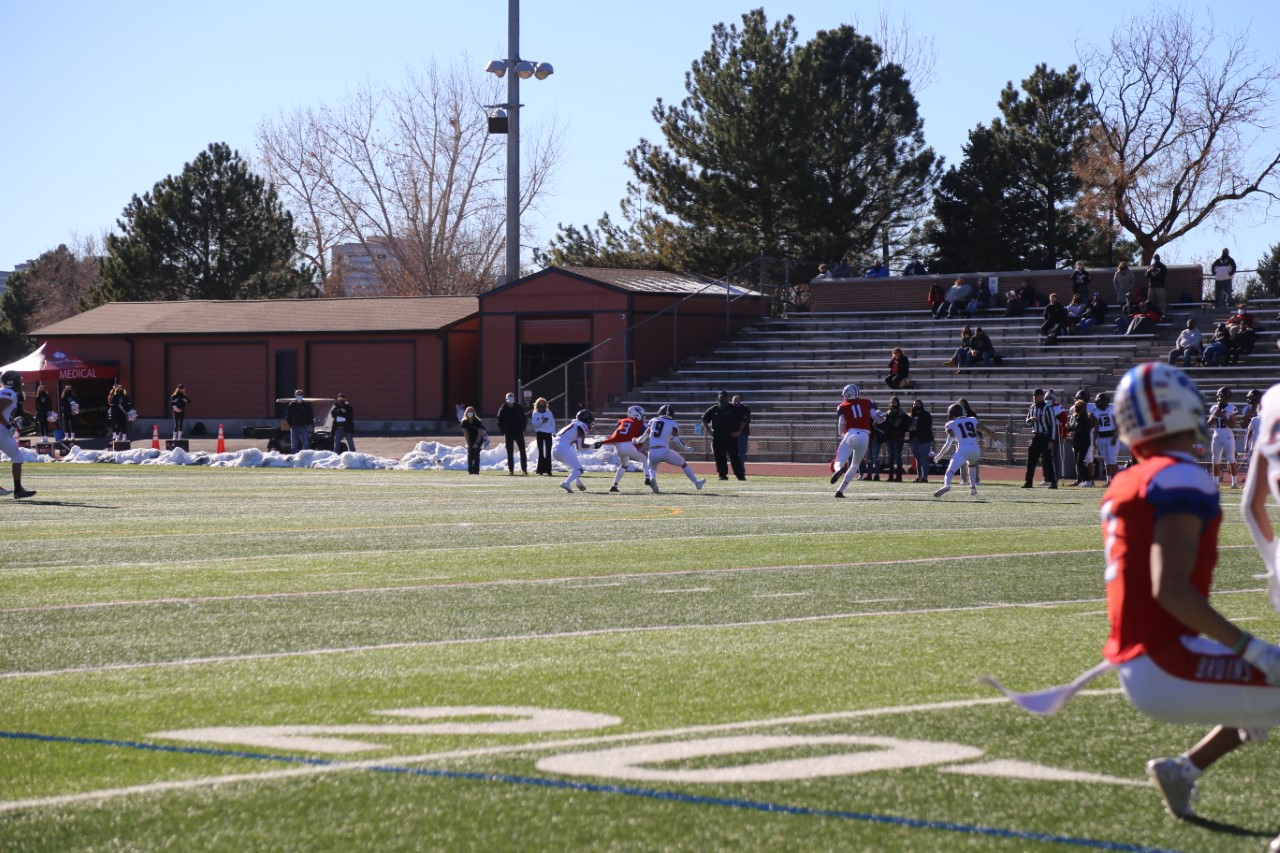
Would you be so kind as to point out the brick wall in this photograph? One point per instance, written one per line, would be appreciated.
(900, 293)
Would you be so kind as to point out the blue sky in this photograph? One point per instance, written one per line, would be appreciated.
(101, 100)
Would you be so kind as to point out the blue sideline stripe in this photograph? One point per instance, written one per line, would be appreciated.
(589, 787)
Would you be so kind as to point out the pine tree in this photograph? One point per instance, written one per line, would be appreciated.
(1016, 188)
(215, 231)
(798, 151)
(16, 310)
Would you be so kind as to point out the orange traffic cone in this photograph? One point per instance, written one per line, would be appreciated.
(222, 441)
(155, 437)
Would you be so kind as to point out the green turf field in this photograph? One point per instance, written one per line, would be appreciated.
(197, 659)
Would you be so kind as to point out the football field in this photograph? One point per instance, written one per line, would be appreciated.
(281, 659)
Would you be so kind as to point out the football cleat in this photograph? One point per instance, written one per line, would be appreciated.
(653, 485)
(582, 487)
(973, 490)
(940, 492)
(613, 488)
(23, 493)
(698, 484)
(567, 487)
(839, 473)
(839, 494)
(1176, 788)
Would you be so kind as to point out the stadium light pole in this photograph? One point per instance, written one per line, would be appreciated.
(521, 69)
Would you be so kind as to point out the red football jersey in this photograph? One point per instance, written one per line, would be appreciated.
(629, 429)
(855, 414)
(1137, 498)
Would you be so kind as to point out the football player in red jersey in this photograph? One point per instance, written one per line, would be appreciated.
(624, 444)
(1178, 658)
(853, 424)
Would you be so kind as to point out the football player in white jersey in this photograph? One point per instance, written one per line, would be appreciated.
(10, 389)
(1253, 418)
(1263, 479)
(1105, 437)
(1223, 418)
(565, 447)
(962, 431)
(661, 436)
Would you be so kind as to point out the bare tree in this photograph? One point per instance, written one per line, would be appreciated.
(1178, 112)
(411, 176)
(917, 54)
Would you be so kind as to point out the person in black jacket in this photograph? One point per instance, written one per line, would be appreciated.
(896, 425)
(343, 417)
(178, 402)
(300, 417)
(512, 420)
(1055, 315)
(724, 422)
(44, 406)
(920, 432)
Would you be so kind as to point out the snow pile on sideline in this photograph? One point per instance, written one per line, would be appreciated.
(425, 456)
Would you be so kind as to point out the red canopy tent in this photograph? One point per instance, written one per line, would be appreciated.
(40, 366)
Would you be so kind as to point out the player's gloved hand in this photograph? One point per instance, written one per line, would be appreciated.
(1265, 657)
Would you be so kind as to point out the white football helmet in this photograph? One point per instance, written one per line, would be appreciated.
(1154, 400)
(636, 412)
(851, 392)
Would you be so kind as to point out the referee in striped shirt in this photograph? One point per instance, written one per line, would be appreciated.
(1044, 425)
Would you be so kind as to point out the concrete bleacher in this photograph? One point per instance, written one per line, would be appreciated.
(790, 370)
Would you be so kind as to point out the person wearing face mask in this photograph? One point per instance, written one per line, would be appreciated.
(512, 420)
(896, 425)
(300, 417)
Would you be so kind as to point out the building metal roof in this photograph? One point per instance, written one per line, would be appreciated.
(651, 281)
(262, 316)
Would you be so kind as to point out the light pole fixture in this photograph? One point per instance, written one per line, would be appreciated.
(505, 118)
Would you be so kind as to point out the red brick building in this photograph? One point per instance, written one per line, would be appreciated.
(615, 328)
(400, 359)
(407, 362)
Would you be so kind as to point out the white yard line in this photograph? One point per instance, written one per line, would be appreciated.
(571, 743)
(677, 591)
(555, 635)
(538, 581)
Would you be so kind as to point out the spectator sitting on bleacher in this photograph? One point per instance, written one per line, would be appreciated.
(899, 370)
(824, 272)
(1055, 315)
(842, 269)
(915, 268)
(877, 270)
(937, 298)
(1131, 308)
(978, 302)
(1218, 350)
(1144, 323)
(1075, 312)
(1027, 292)
(1094, 313)
(957, 298)
(1188, 345)
(980, 350)
(1243, 333)
(1013, 306)
(957, 359)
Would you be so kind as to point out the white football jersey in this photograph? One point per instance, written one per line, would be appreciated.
(1106, 420)
(1268, 437)
(572, 435)
(965, 432)
(8, 403)
(660, 432)
(1220, 416)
